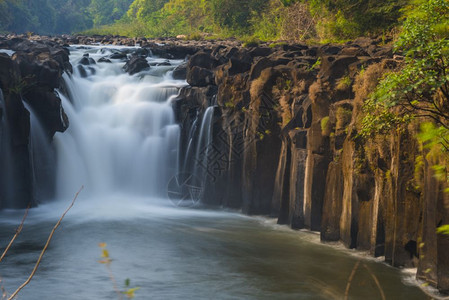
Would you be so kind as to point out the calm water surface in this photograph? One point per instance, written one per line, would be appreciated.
(173, 253)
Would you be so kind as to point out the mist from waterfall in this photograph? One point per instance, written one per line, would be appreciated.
(122, 135)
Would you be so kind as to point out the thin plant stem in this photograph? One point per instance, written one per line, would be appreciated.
(351, 277)
(18, 230)
(382, 294)
(45, 247)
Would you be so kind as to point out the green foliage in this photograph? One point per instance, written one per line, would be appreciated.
(250, 42)
(421, 87)
(107, 11)
(337, 28)
(317, 64)
(344, 82)
(264, 19)
(344, 19)
(58, 16)
(268, 24)
(443, 229)
(234, 15)
(432, 136)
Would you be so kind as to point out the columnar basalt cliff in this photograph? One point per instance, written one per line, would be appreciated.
(284, 123)
(285, 143)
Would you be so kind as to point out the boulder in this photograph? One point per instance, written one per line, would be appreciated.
(198, 76)
(180, 72)
(135, 65)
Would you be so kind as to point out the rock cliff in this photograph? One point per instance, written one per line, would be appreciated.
(30, 71)
(285, 143)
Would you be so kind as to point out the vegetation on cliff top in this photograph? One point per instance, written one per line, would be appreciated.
(420, 87)
(263, 19)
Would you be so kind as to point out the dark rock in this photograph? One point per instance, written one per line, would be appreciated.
(86, 61)
(197, 76)
(135, 65)
(82, 71)
(260, 51)
(202, 60)
(104, 60)
(164, 64)
(118, 55)
(180, 72)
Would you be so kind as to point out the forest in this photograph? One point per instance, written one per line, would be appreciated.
(58, 16)
(260, 19)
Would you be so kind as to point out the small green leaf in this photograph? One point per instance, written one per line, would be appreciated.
(105, 253)
(130, 293)
(443, 229)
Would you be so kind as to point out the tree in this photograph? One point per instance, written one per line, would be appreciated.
(421, 87)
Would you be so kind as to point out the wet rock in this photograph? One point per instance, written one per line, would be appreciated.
(104, 60)
(197, 76)
(135, 65)
(118, 55)
(180, 72)
(86, 61)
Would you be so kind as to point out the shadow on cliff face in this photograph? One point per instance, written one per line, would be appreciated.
(285, 143)
(29, 74)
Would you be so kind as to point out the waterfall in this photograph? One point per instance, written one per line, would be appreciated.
(41, 158)
(201, 166)
(122, 135)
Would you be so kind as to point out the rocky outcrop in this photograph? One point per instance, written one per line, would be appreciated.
(30, 75)
(285, 143)
(135, 65)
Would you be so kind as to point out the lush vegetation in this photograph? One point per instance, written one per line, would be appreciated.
(58, 16)
(420, 87)
(262, 19)
(418, 91)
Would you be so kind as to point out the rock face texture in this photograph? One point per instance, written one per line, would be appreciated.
(285, 143)
(29, 76)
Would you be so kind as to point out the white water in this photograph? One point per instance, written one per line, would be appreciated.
(41, 157)
(203, 144)
(122, 136)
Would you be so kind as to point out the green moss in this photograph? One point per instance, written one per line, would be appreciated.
(325, 126)
(344, 83)
(250, 42)
(343, 117)
(279, 44)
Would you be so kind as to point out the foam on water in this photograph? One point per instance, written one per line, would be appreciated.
(122, 135)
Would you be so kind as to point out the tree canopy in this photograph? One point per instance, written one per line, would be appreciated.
(58, 16)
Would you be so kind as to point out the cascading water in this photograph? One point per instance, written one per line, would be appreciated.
(122, 136)
(203, 145)
(41, 158)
